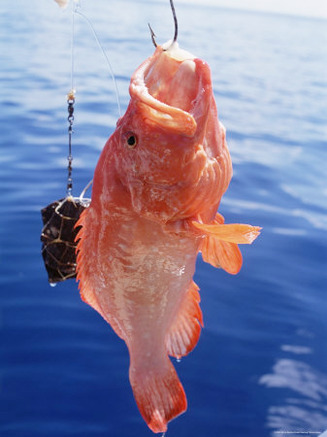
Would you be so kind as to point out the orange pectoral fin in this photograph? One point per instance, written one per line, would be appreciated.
(220, 245)
(222, 254)
(234, 233)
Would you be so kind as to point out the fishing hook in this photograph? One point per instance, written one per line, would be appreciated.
(153, 35)
(175, 20)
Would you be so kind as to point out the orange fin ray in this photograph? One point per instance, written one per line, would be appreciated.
(83, 270)
(86, 295)
(233, 233)
(220, 244)
(222, 254)
(186, 328)
(158, 393)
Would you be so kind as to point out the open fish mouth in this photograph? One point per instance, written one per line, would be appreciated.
(173, 109)
(169, 88)
(171, 78)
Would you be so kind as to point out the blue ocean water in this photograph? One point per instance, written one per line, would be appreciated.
(260, 368)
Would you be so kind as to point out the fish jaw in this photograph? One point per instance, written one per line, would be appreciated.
(180, 166)
(173, 89)
(163, 88)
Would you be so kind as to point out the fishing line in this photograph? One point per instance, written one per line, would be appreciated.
(71, 102)
(59, 218)
(70, 118)
(78, 11)
(81, 196)
(72, 42)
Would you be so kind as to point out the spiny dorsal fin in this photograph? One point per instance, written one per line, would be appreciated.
(84, 268)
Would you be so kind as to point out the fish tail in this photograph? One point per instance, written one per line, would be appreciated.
(158, 393)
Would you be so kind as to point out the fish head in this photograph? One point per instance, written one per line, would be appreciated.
(171, 154)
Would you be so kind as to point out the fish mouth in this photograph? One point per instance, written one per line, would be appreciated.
(169, 88)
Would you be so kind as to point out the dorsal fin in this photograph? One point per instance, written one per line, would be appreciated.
(84, 270)
(86, 292)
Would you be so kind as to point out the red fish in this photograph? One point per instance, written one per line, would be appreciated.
(156, 191)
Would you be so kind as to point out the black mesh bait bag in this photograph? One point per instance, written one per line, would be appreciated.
(58, 237)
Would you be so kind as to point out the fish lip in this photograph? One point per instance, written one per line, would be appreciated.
(169, 117)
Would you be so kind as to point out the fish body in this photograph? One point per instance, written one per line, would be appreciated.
(156, 191)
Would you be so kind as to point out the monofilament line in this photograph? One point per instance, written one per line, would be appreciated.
(78, 11)
(71, 102)
(74, 6)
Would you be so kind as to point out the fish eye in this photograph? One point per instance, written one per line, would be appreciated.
(131, 140)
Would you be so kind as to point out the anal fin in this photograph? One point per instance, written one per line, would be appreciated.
(186, 328)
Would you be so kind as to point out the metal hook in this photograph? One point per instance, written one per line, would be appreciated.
(175, 20)
(153, 35)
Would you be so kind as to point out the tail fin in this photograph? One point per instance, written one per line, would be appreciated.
(159, 394)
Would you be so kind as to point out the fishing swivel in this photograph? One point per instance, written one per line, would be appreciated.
(70, 118)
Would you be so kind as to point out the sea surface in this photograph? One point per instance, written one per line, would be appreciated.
(260, 367)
